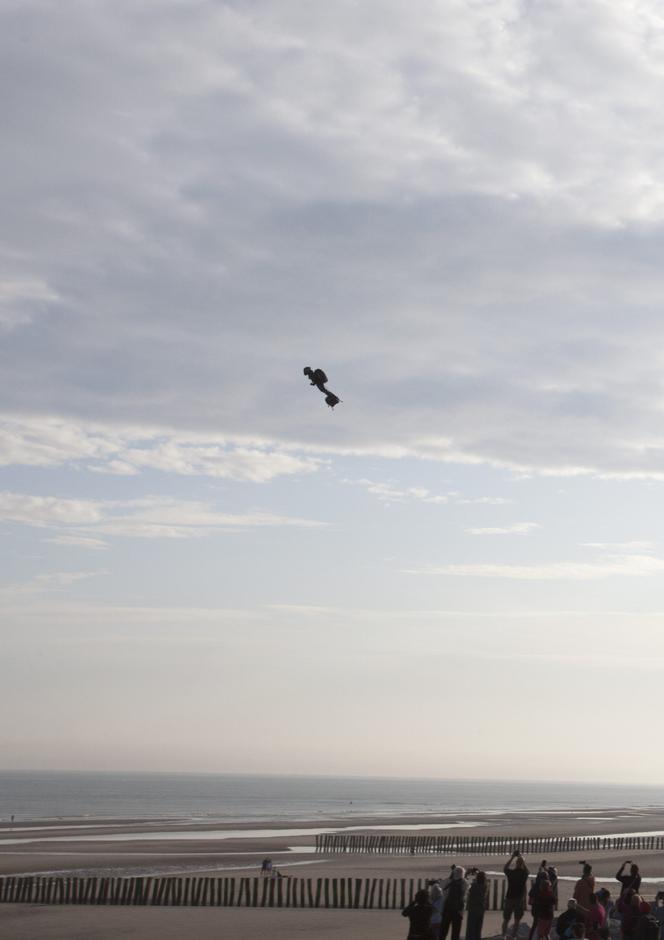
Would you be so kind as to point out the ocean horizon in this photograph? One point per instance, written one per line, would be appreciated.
(260, 797)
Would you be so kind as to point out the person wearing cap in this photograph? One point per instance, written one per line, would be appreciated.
(566, 921)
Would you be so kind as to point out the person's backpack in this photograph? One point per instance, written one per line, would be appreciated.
(647, 928)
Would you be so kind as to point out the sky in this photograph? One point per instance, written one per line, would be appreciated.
(456, 209)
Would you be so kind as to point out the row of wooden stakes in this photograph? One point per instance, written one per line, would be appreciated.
(340, 843)
(367, 893)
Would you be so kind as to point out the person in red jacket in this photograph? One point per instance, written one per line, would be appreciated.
(543, 907)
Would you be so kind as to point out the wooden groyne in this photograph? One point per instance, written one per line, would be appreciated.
(366, 893)
(358, 844)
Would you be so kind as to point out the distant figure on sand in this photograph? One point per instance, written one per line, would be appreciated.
(266, 866)
(515, 896)
(419, 914)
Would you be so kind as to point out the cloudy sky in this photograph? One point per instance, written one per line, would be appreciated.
(456, 208)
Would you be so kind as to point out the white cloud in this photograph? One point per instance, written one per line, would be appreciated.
(48, 510)
(517, 528)
(452, 191)
(78, 541)
(19, 299)
(390, 492)
(608, 567)
(151, 517)
(125, 451)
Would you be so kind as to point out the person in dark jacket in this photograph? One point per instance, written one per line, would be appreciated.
(455, 899)
(515, 897)
(631, 880)
(419, 914)
(478, 901)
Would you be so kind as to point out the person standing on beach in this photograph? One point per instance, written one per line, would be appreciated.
(596, 917)
(478, 901)
(632, 880)
(543, 907)
(437, 902)
(455, 900)
(419, 914)
(553, 878)
(584, 891)
(515, 897)
(542, 872)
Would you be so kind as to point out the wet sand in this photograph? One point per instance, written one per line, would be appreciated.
(115, 847)
(142, 847)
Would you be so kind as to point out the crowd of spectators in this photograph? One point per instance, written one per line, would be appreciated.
(591, 913)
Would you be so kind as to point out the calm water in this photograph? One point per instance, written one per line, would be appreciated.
(30, 795)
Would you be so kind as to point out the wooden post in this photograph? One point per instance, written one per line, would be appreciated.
(159, 889)
(165, 894)
(372, 893)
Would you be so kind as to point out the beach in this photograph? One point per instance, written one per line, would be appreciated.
(153, 847)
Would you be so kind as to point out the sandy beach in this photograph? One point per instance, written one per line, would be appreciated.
(142, 847)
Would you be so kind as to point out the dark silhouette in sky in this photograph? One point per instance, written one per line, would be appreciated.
(318, 378)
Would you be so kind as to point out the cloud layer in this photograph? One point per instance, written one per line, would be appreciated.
(457, 215)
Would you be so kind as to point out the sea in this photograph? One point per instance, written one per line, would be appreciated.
(80, 795)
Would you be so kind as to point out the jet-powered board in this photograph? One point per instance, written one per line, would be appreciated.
(318, 378)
